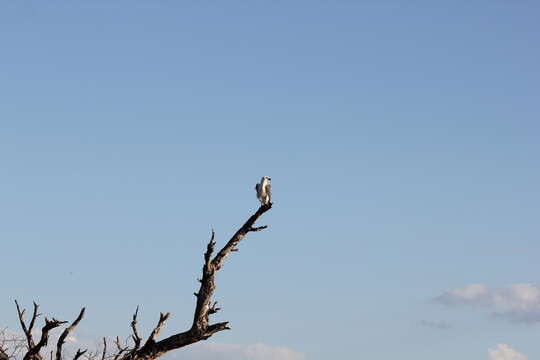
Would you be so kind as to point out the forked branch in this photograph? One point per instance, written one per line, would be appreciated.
(33, 353)
(201, 329)
(28, 330)
(33, 349)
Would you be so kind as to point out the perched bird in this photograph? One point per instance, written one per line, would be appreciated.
(264, 190)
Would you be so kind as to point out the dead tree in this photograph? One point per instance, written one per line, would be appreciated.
(201, 328)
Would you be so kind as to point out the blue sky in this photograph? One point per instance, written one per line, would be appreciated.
(402, 140)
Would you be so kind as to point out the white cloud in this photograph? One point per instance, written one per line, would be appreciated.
(471, 292)
(505, 352)
(516, 302)
(72, 339)
(217, 351)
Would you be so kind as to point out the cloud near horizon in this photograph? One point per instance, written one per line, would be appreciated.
(505, 352)
(204, 350)
(516, 302)
(218, 351)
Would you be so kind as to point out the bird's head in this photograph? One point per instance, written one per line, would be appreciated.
(266, 178)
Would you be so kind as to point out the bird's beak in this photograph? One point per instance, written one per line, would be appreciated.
(269, 179)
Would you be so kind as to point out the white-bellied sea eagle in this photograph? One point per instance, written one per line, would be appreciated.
(264, 190)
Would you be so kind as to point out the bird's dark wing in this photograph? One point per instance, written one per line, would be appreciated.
(269, 191)
(257, 188)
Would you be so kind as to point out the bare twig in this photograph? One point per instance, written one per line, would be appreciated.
(136, 338)
(120, 349)
(79, 354)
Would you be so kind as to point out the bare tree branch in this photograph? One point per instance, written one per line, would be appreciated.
(33, 353)
(155, 332)
(34, 317)
(27, 331)
(120, 349)
(104, 348)
(240, 234)
(136, 338)
(201, 329)
(78, 354)
(65, 333)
